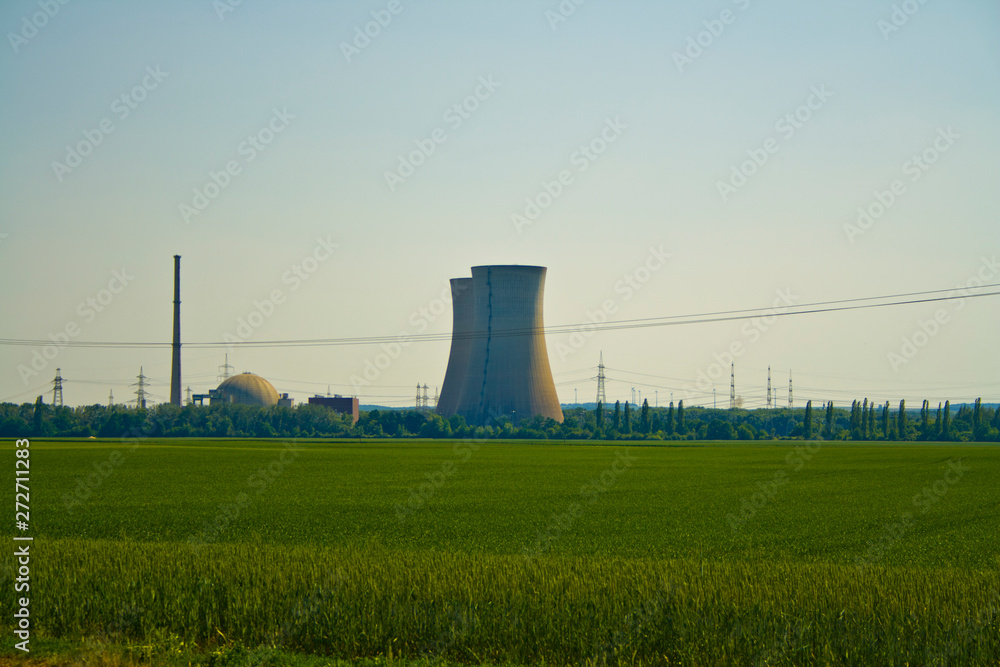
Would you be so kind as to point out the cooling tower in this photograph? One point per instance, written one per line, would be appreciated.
(175, 366)
(461, 347)
(508, 368)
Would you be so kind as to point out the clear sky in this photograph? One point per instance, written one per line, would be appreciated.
(116, 115)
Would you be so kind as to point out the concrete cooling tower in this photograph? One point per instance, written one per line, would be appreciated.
(507, 368)
(461, 346)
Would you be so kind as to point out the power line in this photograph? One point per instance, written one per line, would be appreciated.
(667, 320)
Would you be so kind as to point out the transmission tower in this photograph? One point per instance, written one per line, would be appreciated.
(418, 397)
(435, 397)
(601, 396)
(188, 401)
(225, 370)
(789, 389)
(57, 394)
(140, 391)
(768, 387)
(111, 398)
(732, 386)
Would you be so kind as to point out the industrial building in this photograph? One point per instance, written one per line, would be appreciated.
(499, 364)
(245, 389)
(338, 403)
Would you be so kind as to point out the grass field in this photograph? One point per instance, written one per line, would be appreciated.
(518, 553)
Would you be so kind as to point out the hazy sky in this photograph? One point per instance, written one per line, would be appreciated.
(119, 117)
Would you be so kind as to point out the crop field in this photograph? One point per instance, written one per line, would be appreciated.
(259, 552)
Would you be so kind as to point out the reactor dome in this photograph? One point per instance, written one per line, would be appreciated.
(247, 389)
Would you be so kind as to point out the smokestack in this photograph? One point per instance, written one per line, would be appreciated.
(175, 367)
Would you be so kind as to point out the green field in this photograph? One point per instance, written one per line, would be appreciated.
(520, 553)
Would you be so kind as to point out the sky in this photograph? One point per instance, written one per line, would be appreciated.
(323, 169)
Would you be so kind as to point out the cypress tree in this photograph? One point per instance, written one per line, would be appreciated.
(925, 420)
(864, 420)
(885, 421)
(871, 419)
(600, 415)
(670, 418)
(829, 420)
(937, 423)
(628, 419)
(946, 422)
(37, 417)
(807, 426)
(681, 426)
(977, 420)
(618, 415)
(644, 418)
(901, 420)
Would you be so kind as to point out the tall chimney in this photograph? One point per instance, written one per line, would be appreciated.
(175, 367)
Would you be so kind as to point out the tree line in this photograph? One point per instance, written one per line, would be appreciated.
(864, 421)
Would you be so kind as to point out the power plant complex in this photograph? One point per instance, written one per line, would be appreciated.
(498, 364)
(242, 389)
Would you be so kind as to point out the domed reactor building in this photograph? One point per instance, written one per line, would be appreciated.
(245, 389)
(498, 363)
